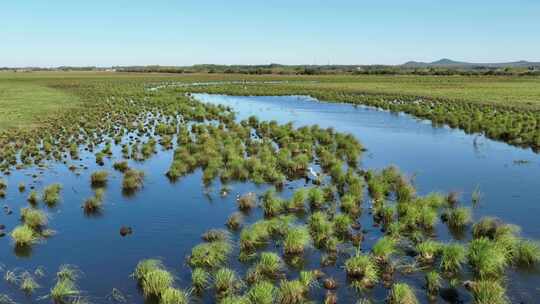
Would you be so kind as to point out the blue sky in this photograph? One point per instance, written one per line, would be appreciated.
(121, 32)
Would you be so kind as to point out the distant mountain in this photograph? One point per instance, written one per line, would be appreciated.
(445, 62)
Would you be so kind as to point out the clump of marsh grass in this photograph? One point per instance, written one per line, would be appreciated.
(133, 180)
(292, 292)
(428, 250)
(296, 240)
(226, 281)
(34, 218)
(271, 204)
(174, 296)
(401, 293)
(51, 194)
(254, 236)
(316, 197)
(99, 178)
(262, 292)
(452, 258)
(199, 279)
(234, 222)
(33, 197)
(362, 268)
(476, 195)
(342, 223)
(489, 292)
(459, 217)
(214, 235)
(210, 255)
(24, 236)
(21, 187)
(247, 201)
(433, 283)
(153, 278)
(121, 166)
(527, 253)
(65, 290)
(146, 266)
(493, 229)
(383, 248)
(156, 282)
(95, 203)
(321, 228)
(268, 267)
(297, 201)
(28, 283)
(488, 258)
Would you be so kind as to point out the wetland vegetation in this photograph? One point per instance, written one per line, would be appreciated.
(313, 224)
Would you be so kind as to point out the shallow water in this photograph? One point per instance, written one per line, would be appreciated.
(168, 218)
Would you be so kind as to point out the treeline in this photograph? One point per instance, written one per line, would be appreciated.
(277, 69)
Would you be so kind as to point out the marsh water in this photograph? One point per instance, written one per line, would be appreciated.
(168, 218)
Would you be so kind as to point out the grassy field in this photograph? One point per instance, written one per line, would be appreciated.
(23, 104)
(25, 98)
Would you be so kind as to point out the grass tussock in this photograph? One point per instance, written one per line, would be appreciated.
(402, 293)
(99, 178)
(51, 194)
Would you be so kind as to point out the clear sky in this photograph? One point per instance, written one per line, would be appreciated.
(132, 32)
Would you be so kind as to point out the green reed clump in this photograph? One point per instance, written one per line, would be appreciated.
(210, 255)
(247, 201)
(199, 279)
(174, 296)
(34, 218)
(292, 292)
(489, 292)
(21, 187)
(24, 236)
(316, 197)
(433, 282)
(296, 240)
(298, 201)
(156, 282)
(99, 178)
(342, 223)
(268, 267)
(362, 268)
(28, 283)
(254, 236)
(428, 250)
(234, 222)
(459, 217)
(95, 203)
(51, 194)
(65, 290)
(214, 235)
(271, 204)
(262, 292)
(146, 266)
(321, 228)
(226, 281)
(133, 180)
(493, 229)
(527, 253)
(401, 293)
(452, 258)
(33, 197)
(121, 166)
(350, 205)
(383, 248)
(487, 258)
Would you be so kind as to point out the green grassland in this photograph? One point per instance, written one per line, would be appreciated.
(27, 98)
